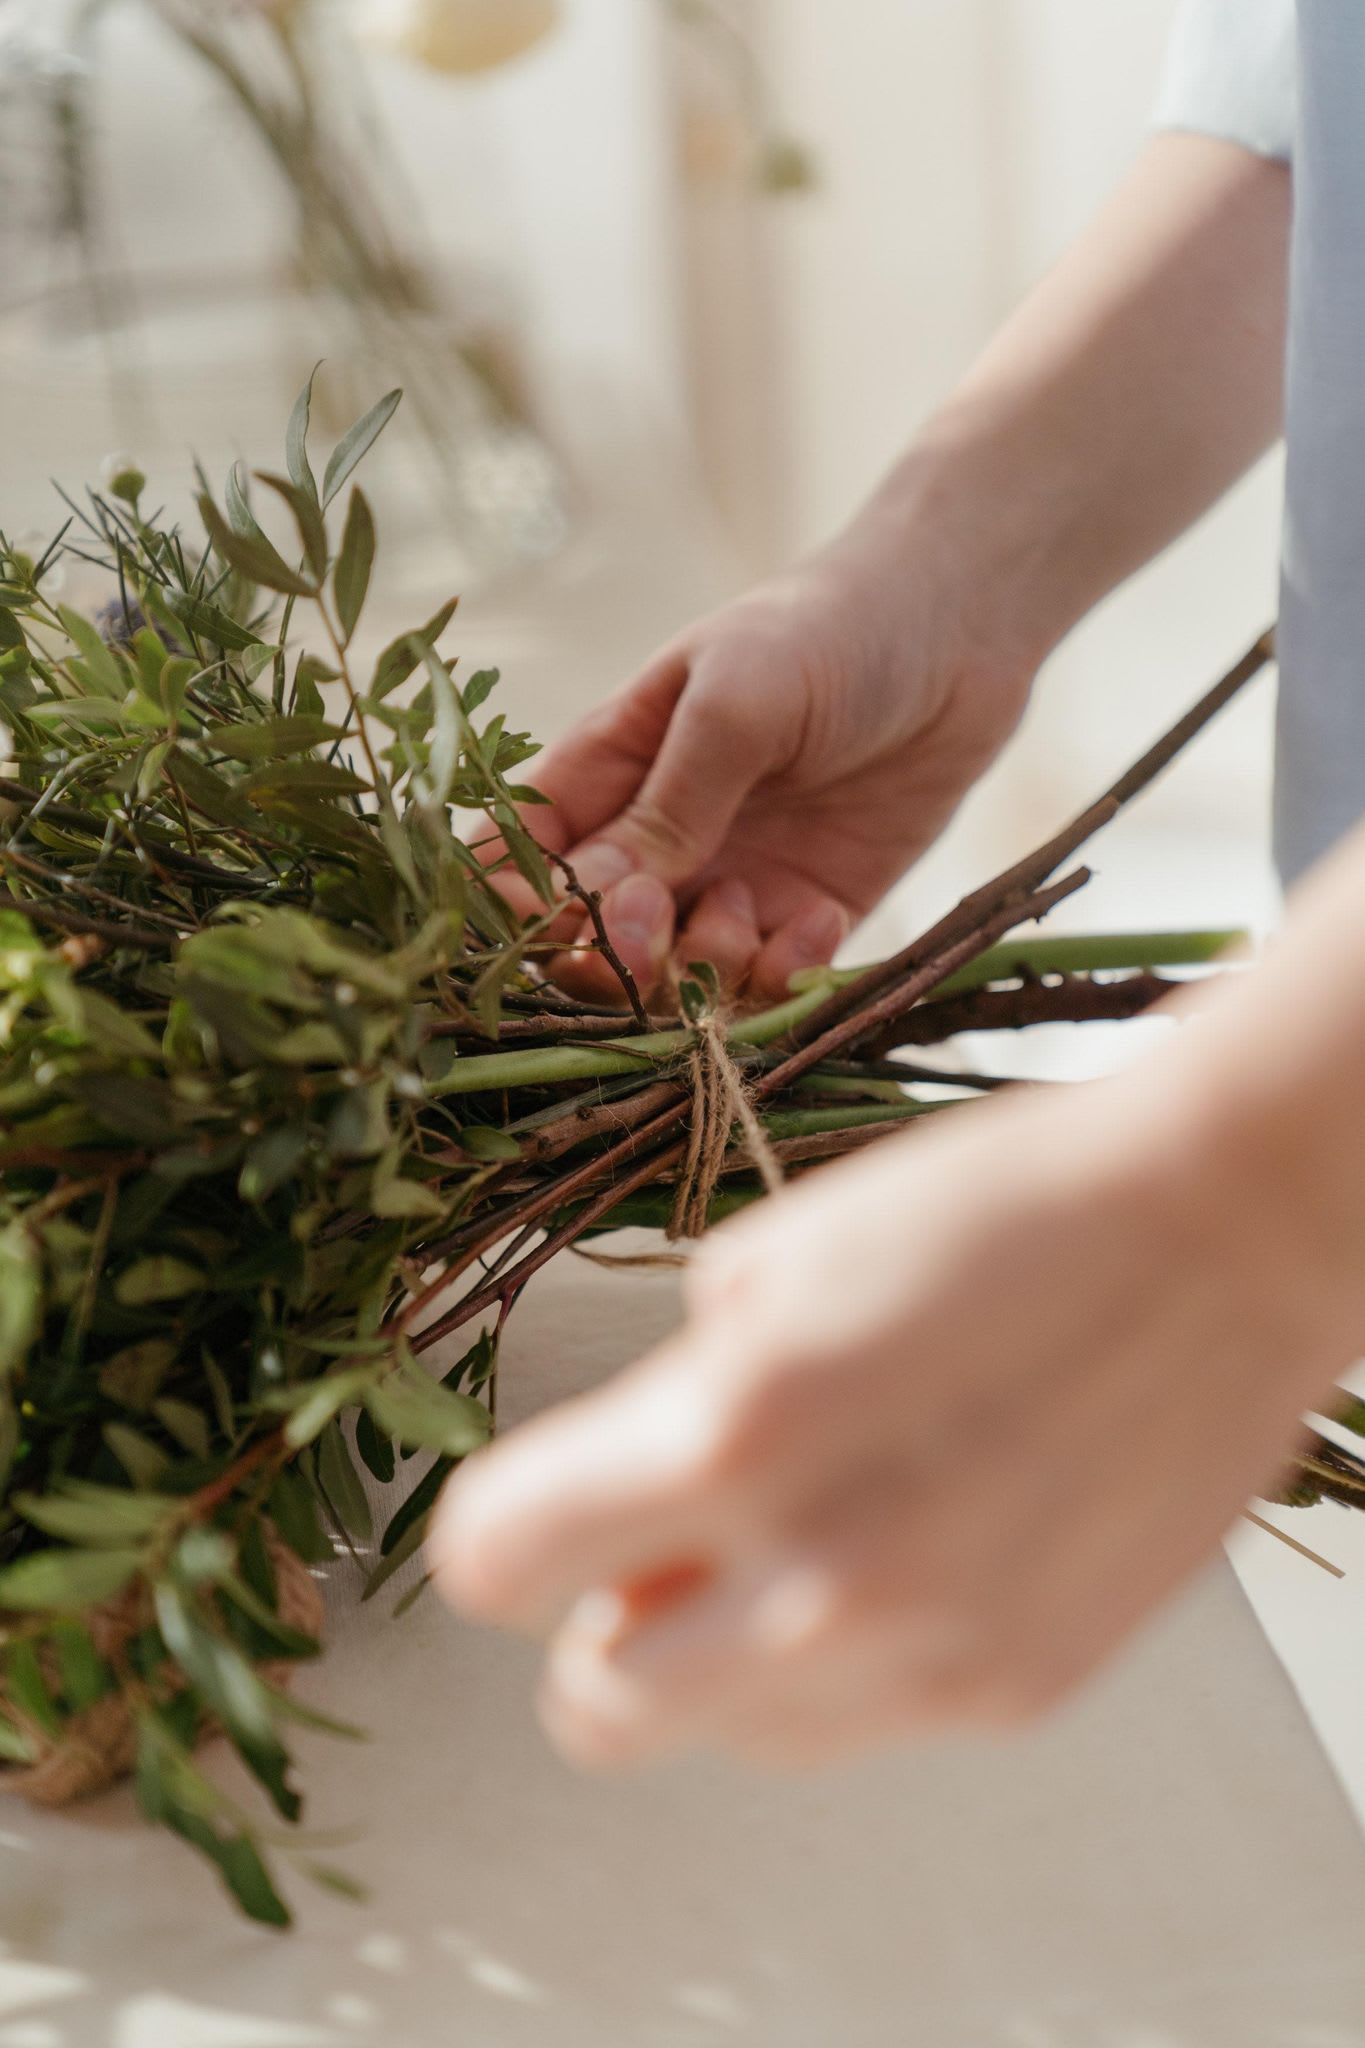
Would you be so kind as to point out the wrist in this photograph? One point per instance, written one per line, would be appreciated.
(987, 517)
(1268, 1175)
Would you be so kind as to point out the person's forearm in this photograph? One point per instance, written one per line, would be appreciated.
(1269, 1085)
(1133, 387)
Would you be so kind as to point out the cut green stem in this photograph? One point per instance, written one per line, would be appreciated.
(1012, 960)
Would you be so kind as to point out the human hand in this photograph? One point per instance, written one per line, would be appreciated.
(943, 1425)
(777, 767)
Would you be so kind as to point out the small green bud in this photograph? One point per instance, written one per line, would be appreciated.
(787, 167)
(123, 479)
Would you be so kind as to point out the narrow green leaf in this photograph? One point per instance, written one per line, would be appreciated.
(292, 1641)
(376, 1451)
(97, 1515)
(417, 1506)
(482, 1141)
(259, 562)
(296, 440)
(341, 1483)
(249, 1881)
(66, 1581)
(103, 664)
(305, 778)
(187, 1426)
(307, 518)
(449, 726)
(339, 1881)
(21, 1296)
(142, 1460)
(85, 1676)
(339, 1390)
(271, 739)
(426, 1416)
(294, 1512)
(27, 1688)
(207, 622)
(355, 564)
(158, 1278)
(15, 1747)
(271, 1160)
(402, 656)
(397, 1558)
(354, 446)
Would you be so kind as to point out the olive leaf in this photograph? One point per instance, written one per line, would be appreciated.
(355, 445)
(355, 565)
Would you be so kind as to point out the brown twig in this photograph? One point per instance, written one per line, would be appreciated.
(926, 974)
(77, 885)
(551, 1027)
(43, 912)
(1076, 1000)
(591, 900)
(68, 819)
(1029, 875)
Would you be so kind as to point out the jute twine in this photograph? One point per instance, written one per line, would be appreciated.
(720, 1101)
(99, 1746)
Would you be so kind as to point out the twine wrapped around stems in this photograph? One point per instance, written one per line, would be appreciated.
(720, 1100)
(96, 1748)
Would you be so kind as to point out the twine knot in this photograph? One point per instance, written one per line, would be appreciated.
(720, 1101)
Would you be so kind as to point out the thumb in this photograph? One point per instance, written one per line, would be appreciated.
(715, 750)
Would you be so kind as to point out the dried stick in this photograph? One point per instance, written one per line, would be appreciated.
(591, 900)
(140, 935)
(1029, 874)
(1075, 1001)
(927, 974)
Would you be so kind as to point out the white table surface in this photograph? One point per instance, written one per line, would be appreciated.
(1170, 1866)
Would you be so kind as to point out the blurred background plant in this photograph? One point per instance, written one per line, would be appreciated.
(360, 271)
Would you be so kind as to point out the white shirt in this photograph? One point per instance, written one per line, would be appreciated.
(1238, 71)
(1232, 72)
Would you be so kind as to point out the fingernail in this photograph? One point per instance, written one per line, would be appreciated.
(735, 899)
(602, 865)
(639, 915)
(582, 1738)
(578, 1684)
(816, 936)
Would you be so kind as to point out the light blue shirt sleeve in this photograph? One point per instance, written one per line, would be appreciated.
(1232, 72)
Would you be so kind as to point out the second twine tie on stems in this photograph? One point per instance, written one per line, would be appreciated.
(720, 1101)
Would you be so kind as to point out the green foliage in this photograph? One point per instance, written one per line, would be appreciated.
(236, 922)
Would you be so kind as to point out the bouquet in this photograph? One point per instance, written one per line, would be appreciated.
(288, 1100)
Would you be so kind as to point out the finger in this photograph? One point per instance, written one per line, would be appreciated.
(723, 932)
(809, 939)
(639, 916)
(715, 749)
(591, 776)
(588, 779)
(614, 1488)
(887, 1626)
(604, 1710)
(521, 897)
(753, 1658)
